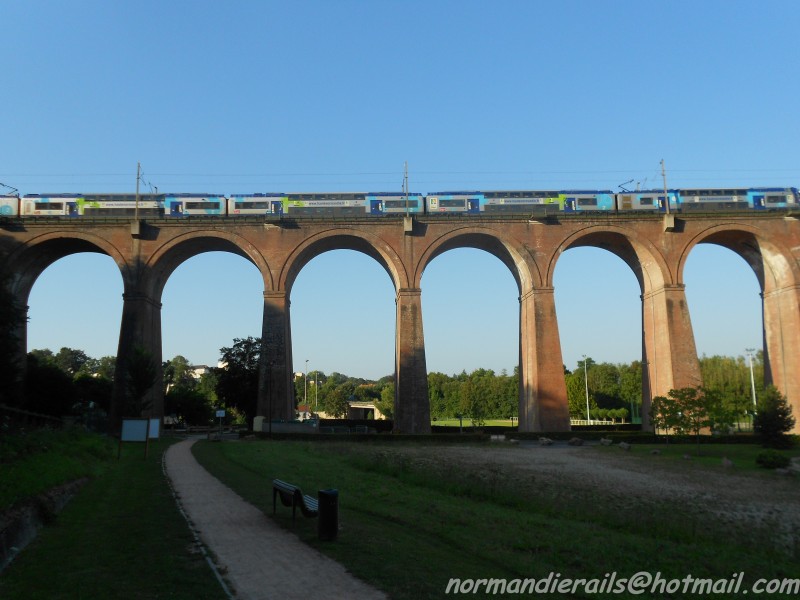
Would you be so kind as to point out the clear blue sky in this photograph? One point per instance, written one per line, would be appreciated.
(248, 96)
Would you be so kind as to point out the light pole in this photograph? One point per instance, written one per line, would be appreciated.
(316, 392)
(586, 386)
(752, 379)
(305, 386)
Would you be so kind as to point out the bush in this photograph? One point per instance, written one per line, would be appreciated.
(772, 459)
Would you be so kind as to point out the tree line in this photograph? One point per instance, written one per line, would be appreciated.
(69, 382)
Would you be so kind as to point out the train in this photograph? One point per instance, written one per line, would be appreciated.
(337, 204)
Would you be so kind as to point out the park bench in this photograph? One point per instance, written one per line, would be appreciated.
(293, 496)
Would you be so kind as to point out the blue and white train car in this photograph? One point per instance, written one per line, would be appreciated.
(273, 205)
(51, 205)
(384, 203)
(9, 205)
(189, 205)
(327, 204)
(455, 202)
(648, 201)
(525, 201)
(588, 201)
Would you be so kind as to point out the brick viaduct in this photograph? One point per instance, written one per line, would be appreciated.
(655, 247)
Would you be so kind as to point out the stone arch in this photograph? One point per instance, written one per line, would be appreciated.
(31, 259)
(642, 257)
(778, 275)
(773, 265)
(512, 254)
(343, 239)
(171, 255)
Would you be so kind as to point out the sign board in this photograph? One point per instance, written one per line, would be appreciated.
(134, 430)
(220, 413)
(155, 425)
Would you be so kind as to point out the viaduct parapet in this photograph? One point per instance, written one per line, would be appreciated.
(655, 247)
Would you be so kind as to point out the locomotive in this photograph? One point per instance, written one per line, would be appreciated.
(333, 204)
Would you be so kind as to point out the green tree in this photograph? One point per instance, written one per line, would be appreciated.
(178, 373)
(386, 403)
(188, 405)
(12, 316)
(237, 379)
(773, 419)
(141, 374)
(70, 360)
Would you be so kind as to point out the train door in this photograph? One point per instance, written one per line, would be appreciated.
(175, 208)
(375, 207)
(277, 207)
(72, 209)
(758, 202)
(570, 205)
(473, 205)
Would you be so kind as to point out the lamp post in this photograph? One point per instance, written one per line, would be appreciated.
(752, 378)
(586, 386)
(305, 385)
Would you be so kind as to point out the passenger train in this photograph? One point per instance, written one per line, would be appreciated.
(300, 205)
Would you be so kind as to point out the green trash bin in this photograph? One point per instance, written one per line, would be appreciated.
(328, 517)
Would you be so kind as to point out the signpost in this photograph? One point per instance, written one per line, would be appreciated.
(135, 430)
(220, 415)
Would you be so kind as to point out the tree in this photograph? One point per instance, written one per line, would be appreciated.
(12, 316)
(71, 360)
(178, 373)
(386, 403)
(141, 373)
(773, 419)
(237, 379)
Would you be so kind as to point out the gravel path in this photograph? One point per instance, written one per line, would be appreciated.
(258, 558)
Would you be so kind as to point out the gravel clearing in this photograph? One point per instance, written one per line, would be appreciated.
(739, 500)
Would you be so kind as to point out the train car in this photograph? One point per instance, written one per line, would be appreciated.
(701, 200)
(327, 204)
(189, 205)
(523, 202)
(50, 205)
(384, 203)
(9, 205)
(454, 202)
(647, 200)
(588, 201)
(273, 205)
(121, 205)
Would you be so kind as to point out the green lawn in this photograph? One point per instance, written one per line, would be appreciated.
(121, 537)
(408, 528)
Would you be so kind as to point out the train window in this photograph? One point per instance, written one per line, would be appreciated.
(252, 205)
(774, 199)
(645, 202)
(202, 206)
(460, 203)
(48, 206)
(412, 203)
(587, 201)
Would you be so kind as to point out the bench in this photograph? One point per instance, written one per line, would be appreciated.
(293, 496)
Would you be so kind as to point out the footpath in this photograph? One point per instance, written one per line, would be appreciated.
(257, 558)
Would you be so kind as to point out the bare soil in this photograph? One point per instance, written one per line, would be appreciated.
(737, 500)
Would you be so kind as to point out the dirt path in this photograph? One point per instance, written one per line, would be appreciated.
(257, 557)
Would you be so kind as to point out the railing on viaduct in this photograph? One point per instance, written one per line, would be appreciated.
(653, 246)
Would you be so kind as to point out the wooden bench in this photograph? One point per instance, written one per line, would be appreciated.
(291, 495)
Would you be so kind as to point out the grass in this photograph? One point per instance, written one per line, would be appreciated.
(710, 455)
(121, 537)
(37, 461)
(408, 526)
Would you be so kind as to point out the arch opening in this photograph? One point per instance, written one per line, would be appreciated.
(599, 309)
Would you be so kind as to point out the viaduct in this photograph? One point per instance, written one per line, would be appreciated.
(655, 247)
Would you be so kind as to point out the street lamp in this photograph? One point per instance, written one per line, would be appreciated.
(305, 393)
(752, 379)
(586, 386)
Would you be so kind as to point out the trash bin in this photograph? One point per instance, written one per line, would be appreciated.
(328, 518)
